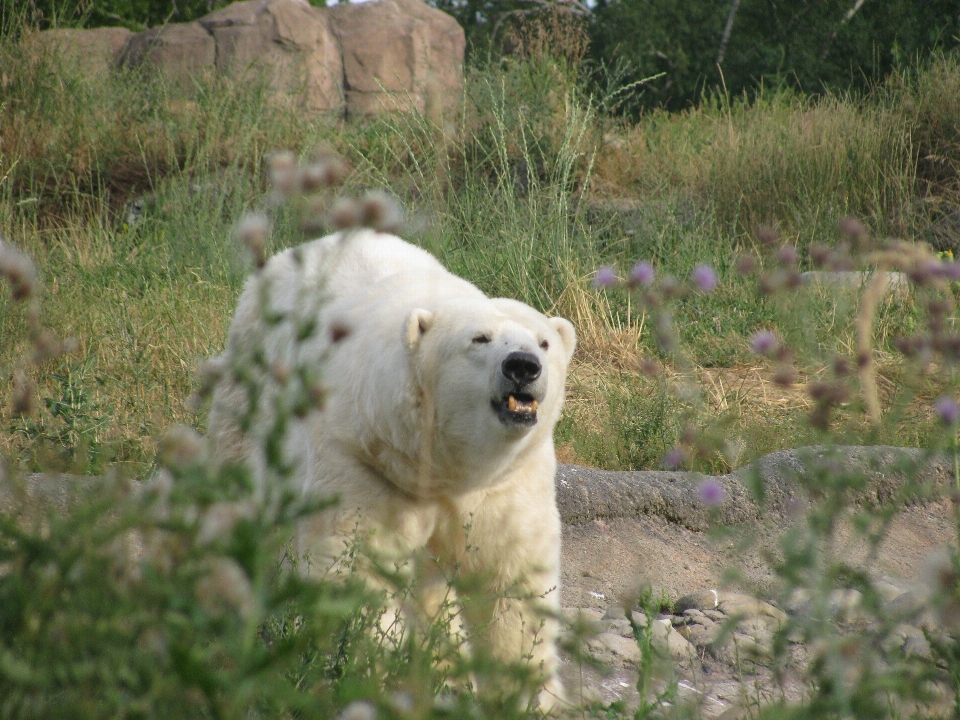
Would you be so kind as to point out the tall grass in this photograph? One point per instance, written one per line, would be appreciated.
(126, 193)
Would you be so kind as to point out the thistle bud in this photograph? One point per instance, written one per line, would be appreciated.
(704, 278)
(841, 366)
(768, 235)
(180, 447)
(763, 342)
(787, 255)
(746, 264)
(346, 214)
(46, 345)
(649, 366)
(282, 172)
(642, 273)
(853, 229)
(785, 376)
(671, 287)
(338, 332)
(674, 458)
(948, 410)
(711, 492)
(253, 231)
(605, 277)
(23, 395)
(820, 255)
(380, 212)
(19, 271)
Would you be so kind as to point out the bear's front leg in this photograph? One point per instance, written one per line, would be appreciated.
(511, 568)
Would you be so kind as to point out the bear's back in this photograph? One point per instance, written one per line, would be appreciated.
(364, 258)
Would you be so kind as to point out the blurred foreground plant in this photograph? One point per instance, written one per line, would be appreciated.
(856, 661)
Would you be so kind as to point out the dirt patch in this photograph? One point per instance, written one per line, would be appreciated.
(626, 530)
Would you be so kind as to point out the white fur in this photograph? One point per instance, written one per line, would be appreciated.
(408, 440)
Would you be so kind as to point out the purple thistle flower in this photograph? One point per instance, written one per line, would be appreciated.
(642, 273)
(712, 492)
(948, 410)
(674, 458)
(606, 277)
(950, 271)
(704, 277)
(763, 342)
(787, 255)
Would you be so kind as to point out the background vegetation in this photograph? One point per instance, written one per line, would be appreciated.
(677, 51)
(126, 193)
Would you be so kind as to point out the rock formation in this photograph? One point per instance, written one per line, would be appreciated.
(357, 60)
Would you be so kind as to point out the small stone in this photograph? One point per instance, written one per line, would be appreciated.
(613, 647)
(582, 615)
(917, 647)
(698, 618)
(888, 591)
(701, 636)
(896, 282)
(615, 612)
(908, 639)
(905, 604)
(620, 626)
(668, 640)
(749, 646)
(736, 604)
(703, 600)
(846, 604)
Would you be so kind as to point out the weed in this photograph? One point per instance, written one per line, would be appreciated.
(73, 425)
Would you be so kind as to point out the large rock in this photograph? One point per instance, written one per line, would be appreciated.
(180, 51)
(92, 52)
(399, 55)
(361, 60)
(288, 41)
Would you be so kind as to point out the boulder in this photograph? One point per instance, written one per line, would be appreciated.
(93, 52)
(289, 42)
(180, 51)
(399, 55)
(896, 282)
(361, 60)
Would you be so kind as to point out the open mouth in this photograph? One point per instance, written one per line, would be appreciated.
(516, 409)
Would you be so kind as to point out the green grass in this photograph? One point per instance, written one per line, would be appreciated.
(526, 194)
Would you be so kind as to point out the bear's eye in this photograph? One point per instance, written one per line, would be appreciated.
(544, 345)
(481, 339)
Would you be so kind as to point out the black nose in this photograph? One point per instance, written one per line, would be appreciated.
(521, 367)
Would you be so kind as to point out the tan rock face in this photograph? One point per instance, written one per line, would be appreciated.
(287, 40)
(180, 51)
(94, 51)
(398, 54)
(362, 59)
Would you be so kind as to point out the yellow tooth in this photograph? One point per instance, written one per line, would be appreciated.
(533, 406)
(512, 404)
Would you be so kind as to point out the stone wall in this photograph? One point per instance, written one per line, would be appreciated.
(353, 60)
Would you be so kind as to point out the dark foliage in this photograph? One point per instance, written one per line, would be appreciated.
(811, 45)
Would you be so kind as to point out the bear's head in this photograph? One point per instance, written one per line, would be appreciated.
(495, 372)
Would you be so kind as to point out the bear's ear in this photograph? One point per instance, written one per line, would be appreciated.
(567, 334)
(418, 322)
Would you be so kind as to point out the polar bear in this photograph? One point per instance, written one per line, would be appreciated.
(438, 411)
